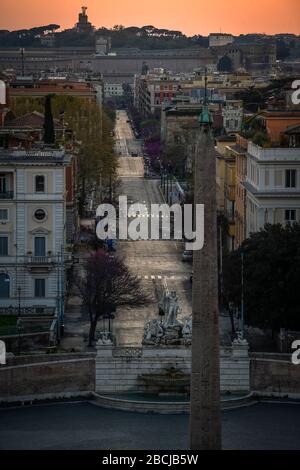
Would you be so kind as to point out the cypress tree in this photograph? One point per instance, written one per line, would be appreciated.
(49, 133)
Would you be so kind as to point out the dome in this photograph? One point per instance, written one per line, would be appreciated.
(2, 92)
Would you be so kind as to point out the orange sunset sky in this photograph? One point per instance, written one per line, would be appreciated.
(189, 16)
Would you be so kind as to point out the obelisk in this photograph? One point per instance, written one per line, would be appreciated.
(205, 418)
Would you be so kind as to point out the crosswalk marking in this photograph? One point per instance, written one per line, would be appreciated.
(160, 277)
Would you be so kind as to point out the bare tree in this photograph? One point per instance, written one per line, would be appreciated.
(106, 284)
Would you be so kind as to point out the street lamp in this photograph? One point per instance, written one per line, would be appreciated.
(19, 321)
(242, 297)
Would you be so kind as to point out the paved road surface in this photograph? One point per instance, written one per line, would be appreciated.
(157, 263)
(125, 141)
(131, 166)
(84, 426)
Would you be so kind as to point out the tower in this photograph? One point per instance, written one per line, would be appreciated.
(205, 419)
(83, 25)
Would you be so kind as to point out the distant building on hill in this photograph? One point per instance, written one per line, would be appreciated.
(83, 25)
(220, 39)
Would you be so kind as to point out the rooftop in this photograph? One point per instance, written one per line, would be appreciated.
(30, 121)
(292, 130)
(273, 154)
(39, 155)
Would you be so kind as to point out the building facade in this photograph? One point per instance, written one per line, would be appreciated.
(33, 219)
(232, 112)
(153, 89)
(272, 185)
(113, 89)
(220, 39)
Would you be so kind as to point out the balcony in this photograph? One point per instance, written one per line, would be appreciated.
(40, 262)
(48, 261)
(40, 259)
(7, 195)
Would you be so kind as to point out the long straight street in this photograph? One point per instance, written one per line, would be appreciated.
(157, 263)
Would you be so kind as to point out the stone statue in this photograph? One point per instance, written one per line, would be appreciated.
(239, 338)
(171, 331)
(153, 332)
(105, 338)
(172, 310)
(187, 330)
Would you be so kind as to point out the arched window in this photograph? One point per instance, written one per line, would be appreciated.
(4, 286)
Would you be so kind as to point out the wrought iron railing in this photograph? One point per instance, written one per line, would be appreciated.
(6, 195)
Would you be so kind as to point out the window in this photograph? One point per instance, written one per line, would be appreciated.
(3, 184)
(290, 178)
(3, 215)
(40, 246)
(3, 246)
(290, 215)
(40, 184)
(40, 288)
(4, 286)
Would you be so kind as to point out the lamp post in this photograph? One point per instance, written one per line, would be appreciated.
(242, 297)
(19, 321)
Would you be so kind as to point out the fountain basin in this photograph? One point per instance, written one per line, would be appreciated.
(139, 402)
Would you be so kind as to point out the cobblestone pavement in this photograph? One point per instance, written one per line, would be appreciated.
(81, 426)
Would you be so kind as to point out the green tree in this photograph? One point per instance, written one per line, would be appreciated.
(93, 131)
(271, 277)
(175, 157)
(49, 133)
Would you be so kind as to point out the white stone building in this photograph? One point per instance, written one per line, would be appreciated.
(273, 186)
(220, 39)
(232, 113)
(113, 89)
(33, 230)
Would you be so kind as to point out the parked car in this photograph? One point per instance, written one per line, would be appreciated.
(187, 255)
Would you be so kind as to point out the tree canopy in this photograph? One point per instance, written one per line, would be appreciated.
(271, 277)
(93, 132)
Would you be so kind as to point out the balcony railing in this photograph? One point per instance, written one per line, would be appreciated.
(7, 195)
(50, 259)
(39, 260)
(27, 311)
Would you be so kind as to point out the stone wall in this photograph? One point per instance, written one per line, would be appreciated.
(120, 369)
(48, 377)
(275, 376)
(27, 341)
